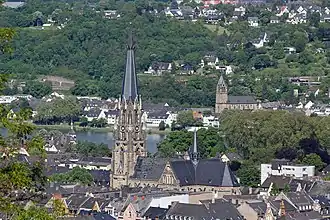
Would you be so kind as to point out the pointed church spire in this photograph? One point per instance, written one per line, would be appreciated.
(221, 82)
(129, 90)
(195, 152)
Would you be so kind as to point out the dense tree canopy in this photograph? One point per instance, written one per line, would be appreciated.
(20, 181)
(208, 140)
(37, 89)
(76, 175)
(82, 50)
(58, 110)
(91, 149)
(261, 135)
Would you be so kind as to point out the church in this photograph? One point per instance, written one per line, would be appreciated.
(132, 167)
(225, 101)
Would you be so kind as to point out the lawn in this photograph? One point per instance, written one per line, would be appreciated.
(213, 27)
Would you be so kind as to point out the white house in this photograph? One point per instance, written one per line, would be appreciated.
(261, 41)
(253, 21)
(210, 60)
(286, 168)
(241, 10)
(153, 119)
(210, 121)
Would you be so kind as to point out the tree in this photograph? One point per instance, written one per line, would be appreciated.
(275, 190)
(209, 143)
(20, 181)
(186, 118)
(83, 122)
(313, 160)
(299, 40)
(76, 175)
(91, 149)
(162, 126)
(58, 110)
(249, 175)
(314, 19)
(37, 89)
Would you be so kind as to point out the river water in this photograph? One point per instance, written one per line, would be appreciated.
(107, 138)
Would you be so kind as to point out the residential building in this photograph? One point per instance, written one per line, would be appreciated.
(211, 121)
(159, 68)
(274, 20)
(260, 42)
(225, 101)
(153, 119)
(94, 163)
(253, 21)
(209, 209)
(286, 168)
(230, 157)
(210, 60)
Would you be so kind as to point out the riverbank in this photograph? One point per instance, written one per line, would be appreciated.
(106, 129)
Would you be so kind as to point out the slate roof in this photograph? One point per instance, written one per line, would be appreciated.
(75, 201)
(158, 114)
(277, 163)
(95, 161)
(299, 198)
(149, 168)
(303, 216)
(220, 209)
(258, 207)
(232, 156)
(93, 112)
(327, 169)
(324, 201)
(254, 19)
(100, 175)
(155, 212)
(241, 100)
(208, 172)
(279, 181)
(160, 65)
(129, 89)
(190, 210)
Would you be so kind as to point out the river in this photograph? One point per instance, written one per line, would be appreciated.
(107, 138)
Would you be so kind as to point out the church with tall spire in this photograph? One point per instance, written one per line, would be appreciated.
(130, 135)
(132, 167)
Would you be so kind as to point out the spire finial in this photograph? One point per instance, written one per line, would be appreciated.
(195, 153)
(130, 42)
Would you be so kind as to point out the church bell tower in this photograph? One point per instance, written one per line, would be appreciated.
(129, 128)
(221, 96)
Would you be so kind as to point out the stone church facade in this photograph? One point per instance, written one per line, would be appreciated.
(132, 167)
(225, 101)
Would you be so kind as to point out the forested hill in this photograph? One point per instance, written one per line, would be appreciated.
(91, 49)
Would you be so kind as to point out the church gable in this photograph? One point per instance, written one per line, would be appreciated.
(168, 177)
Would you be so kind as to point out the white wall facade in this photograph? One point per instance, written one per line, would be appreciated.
(297, 171)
